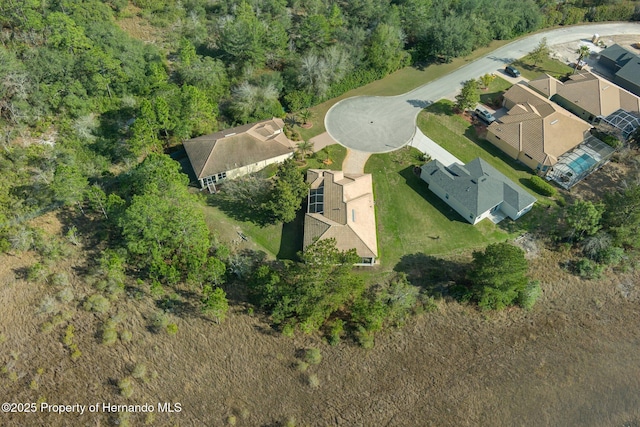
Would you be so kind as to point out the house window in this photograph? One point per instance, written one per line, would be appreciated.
(528, 156)
(446, 196)
(366, 260)
(222, 175)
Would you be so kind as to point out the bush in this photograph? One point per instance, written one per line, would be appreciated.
(159, 322)
(314, 382)
(125, 336)
(313, 356)
(109, 336)
(172, 329)
(126, 387)
(139, 371)
(335, 332)
(588, 269)
(541, 186)
(365, 338)
(97, 303)
(529, 295)
(65, 295)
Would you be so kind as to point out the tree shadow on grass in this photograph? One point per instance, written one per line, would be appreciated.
(292, 237)
(240, 211)
(441, 108)
(438, 277)
(422, 188)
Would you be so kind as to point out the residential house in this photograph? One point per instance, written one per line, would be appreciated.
(340, 206)
(624, 65)
(586, 95)
(477, 190)
(238, 151)
(535, 130)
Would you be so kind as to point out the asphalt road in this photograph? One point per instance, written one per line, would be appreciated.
(376, 124)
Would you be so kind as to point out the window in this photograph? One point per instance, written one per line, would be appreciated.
(446, 196)
(222, 175)
(526, 155)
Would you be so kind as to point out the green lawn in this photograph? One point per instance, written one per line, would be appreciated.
(550, 66)
(492, 93)
(412, 220)
(397, 83)
(459, 137)
(336, 153)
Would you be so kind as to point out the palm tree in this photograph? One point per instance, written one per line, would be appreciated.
(305, 115)
(304, 148)
(583, 51)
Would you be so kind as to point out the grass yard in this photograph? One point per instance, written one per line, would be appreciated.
(397, 83)
(493, 92)
(411, 219)
(336, 153)
(458, 136)
(550, 66)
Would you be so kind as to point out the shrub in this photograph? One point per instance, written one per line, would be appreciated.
(159, 322)
(541, 186)
(588, 269)
(172, 329)
(302, 366)
(109, 336)
(97, 303)
(36, 273)
(48, 305)
(365, 338)
(335, 333)
(313, 380)
(139, 371)
(68, 336)
(126, 387)
(65, 295)
(313, 356)
(529, 295)
(126, 336)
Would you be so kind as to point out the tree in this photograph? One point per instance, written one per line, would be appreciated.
(305, 115)
(541, 52)
(69, 184)
(583, 218)
(622, 215)
(498, 275)
(304, 148)
(288, 192)
(385, 52)
(215, 303)
(469, 96)
(486, 80)
(583, 51)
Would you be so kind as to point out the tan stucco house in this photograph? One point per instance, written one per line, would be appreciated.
(535, 130)
(340, 206)
(586, 95)
(238, 151)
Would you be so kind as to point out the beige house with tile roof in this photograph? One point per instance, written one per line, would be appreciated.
(340, 206)
(586, 95)
(238, 151)
(534, 130)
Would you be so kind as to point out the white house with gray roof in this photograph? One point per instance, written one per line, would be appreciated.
(477, 190)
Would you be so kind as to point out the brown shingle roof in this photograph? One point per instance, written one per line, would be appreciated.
(236, 147)
(348, 212)
(538, 127)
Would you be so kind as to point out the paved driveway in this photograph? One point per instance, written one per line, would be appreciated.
(436, 152)
(385, 123)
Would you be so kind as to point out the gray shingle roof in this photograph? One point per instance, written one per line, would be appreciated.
(477, 186)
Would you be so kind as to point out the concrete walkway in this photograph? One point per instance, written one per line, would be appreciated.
(433, 150)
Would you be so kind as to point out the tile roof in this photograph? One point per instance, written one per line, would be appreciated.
(236, 147)
(589, 92)
(536, 126)
(477, 186)
(348, 212)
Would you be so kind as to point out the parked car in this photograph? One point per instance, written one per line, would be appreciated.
(512, 71)
(484, 115)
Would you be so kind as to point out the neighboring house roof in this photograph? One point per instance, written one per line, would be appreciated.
(346, 213)
(236, 147)
(477, 186)
(536, 126)
(589, 92)
(617, 54)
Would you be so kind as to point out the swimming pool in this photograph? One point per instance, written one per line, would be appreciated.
(582, 164)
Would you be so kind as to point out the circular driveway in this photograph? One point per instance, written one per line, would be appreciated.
(372, 124)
